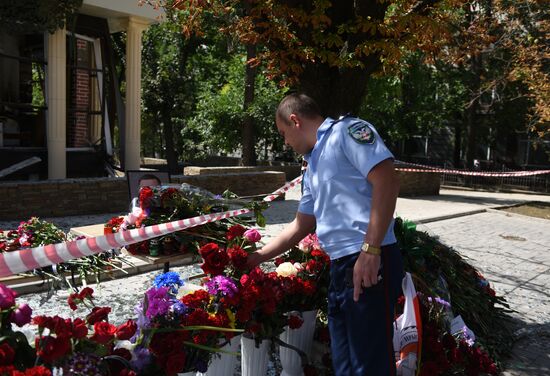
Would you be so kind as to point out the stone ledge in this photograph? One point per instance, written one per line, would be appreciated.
(291, 171)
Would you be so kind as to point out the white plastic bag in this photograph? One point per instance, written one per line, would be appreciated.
(407, 334)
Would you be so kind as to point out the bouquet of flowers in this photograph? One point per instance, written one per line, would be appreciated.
(169, 203)
(86, 346)
(180, 335)
(230, 258)
(36, 232)
(304, 273)
(445, 280)
(446, 353)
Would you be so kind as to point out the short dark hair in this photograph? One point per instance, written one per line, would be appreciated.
(149, 177)
(298, 103)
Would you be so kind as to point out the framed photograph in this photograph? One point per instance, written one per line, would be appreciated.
(137, 177)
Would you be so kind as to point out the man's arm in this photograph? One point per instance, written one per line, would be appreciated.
(385, 188)
(296, 230)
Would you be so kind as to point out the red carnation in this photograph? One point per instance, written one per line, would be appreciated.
(126, 330)
(41, 321)
(51, 348)
(86, 292)
(34, 371)
(98, 314)
(175, 363)
(196, 299)
(234, 231)
(238, 257)
(295, 321)
(6, 354)
(80, 330)
(103, 332)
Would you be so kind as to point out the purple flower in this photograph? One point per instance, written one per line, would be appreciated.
(443, 302)
(140, 358)
(223, 285)
(179, 308)
(159, 302)
(252, 235)
(22, 315)
(83, 364)
(7, 297)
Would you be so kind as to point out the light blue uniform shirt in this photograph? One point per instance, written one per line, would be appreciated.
(335, 186)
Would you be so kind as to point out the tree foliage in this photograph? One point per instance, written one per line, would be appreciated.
(36, 15)
(327, 49)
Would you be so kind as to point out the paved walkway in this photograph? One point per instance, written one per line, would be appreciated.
(511, 250)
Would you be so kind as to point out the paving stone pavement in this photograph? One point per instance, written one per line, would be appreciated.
(511, 250)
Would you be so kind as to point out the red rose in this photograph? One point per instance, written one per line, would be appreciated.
(6, 354)
(238, 257)
(215, 262)
(145, 195)
(208, 249)
(175, 363)
(103, 332)
(50, 348)
(234, 231)
(295, 321)
(126, 330)
(98, 314)
(80, 330)
(60, 326)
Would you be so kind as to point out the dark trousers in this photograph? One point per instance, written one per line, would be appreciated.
(361, 332)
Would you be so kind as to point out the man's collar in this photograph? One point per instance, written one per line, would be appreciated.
(325, 126)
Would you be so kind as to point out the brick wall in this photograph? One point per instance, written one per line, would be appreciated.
(78, 127)
(290, 171)
(50, 198)
(418, 183)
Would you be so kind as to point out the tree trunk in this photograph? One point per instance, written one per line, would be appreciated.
(472, 120)
(339, 91)
(248, 136)
(171, 157)
(457, 146)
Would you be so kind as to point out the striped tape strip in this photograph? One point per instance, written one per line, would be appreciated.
(33, 258)
(425, 168)
(477, 173)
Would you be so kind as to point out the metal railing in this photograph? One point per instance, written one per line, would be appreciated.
(532, 183)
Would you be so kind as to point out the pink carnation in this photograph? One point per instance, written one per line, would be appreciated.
(7, 297)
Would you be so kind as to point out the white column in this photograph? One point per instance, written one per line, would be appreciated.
(132, 135)
(57, 105)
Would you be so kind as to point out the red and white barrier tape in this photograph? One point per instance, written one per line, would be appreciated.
(33, 258)
(425, 168)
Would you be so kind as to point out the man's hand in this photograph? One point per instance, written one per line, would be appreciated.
(254, 259)
(365, 273)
